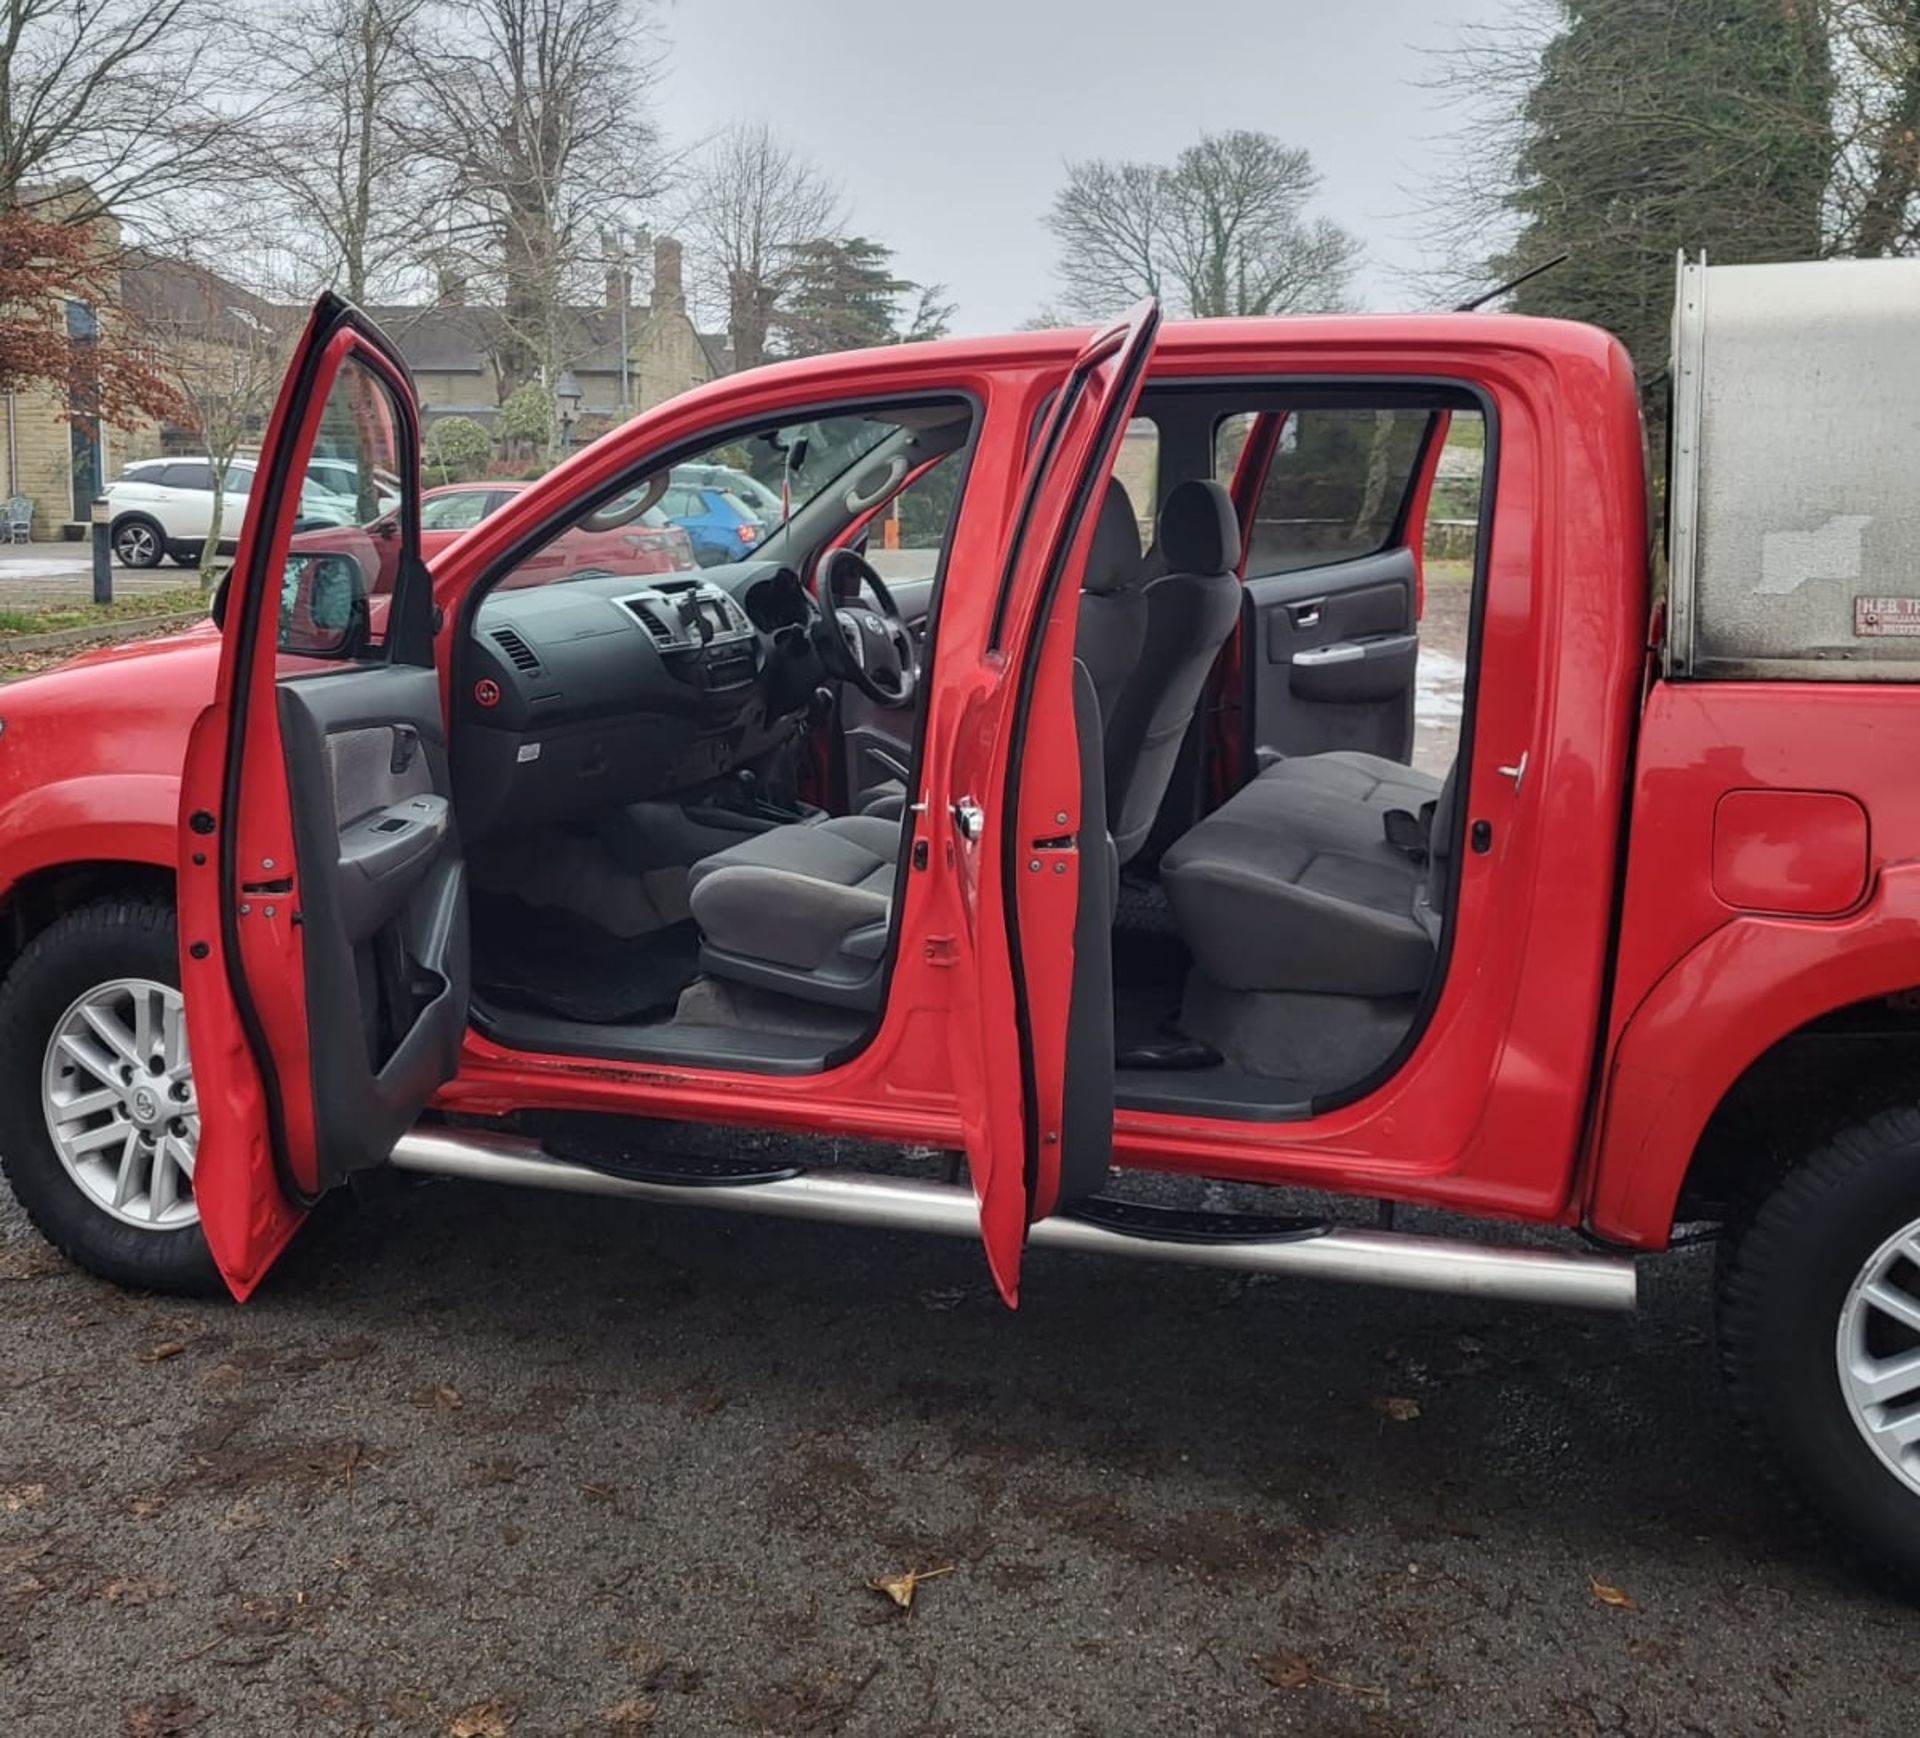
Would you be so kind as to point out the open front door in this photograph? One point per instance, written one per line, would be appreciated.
(1033, 845)
(323, 924)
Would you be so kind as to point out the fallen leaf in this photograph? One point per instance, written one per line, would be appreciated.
(14, 1498)
(438, 1397)
(1397, 1407)
(166, 1716)
(900, 1588)
(1612, 1596)
(625, 1719)
(1285, 1670)
(492, 1718)
(245, 1516)
(1655, 1653)
(126, 1590)
(145, 1508)
(165, 1350)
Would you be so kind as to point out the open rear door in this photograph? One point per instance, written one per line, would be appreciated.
(1033, 848)
(323, 924)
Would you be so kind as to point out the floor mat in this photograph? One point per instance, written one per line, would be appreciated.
(554, 962)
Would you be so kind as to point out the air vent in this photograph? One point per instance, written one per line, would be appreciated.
(662, 631)
(519, 653)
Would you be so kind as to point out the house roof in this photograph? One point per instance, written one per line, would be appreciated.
(169, 294)
(463, 337)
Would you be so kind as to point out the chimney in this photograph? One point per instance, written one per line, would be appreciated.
(450, 288)
(619, 287)
(669, 294)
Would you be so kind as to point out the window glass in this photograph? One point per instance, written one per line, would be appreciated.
(1137, 466)
(344, 555)
(239, 480)
(1335, 488)
(711, 509)
(456, 512)
(188, 477)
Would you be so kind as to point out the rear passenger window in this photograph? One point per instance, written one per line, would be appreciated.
(188, 477)
(1336, 488)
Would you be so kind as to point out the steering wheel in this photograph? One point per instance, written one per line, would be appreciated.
(869, 648)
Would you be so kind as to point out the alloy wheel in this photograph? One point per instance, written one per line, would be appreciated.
(1878, 1348)
(118, 1092)
(136, 546)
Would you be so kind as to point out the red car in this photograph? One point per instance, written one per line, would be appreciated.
(649, 544)
(1091, 851)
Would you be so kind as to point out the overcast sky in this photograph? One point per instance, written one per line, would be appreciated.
(947, 123)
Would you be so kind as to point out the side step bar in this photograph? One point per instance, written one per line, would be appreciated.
(906, 1204)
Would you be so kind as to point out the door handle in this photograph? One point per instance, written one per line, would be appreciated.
(1305, 615)
(970, 818)
(1340, 652)
(1517, 772)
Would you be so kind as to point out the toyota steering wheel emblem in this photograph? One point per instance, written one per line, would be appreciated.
(486, 692)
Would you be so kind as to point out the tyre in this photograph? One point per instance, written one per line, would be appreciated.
(1820, 1339)
(187, 557)
(99, 1123)
(137, 541)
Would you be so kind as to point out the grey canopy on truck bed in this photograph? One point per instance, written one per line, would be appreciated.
(1794, 520)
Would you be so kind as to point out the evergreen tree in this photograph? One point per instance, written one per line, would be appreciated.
(843, 295)
(1658, 125)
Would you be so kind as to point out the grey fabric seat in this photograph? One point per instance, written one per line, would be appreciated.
(1190, 610)
(1108, 633)
(1367, 781)
(1289, 887)
(803, 909)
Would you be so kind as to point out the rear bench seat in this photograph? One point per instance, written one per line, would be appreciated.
(1291, 884)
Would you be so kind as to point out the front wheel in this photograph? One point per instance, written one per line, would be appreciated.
(1820, 1337)
(99, 1123)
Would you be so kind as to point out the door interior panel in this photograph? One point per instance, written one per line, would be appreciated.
(382, 900)
(1334, 652)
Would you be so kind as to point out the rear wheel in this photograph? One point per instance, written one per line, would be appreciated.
(1820, 1334)
(138, 542)
(99, 1123)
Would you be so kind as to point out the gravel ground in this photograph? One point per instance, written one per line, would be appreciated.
(488, 1463)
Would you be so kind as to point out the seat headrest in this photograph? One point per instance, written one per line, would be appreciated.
(1113, 563)
(1199, 532)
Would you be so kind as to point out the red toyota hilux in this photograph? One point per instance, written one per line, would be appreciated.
(1038, 793)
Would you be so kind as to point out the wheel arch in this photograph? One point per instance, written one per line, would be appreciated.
(74, 841)
(1763, 1012)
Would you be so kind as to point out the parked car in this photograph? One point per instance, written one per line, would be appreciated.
(647, 544)
(721, 526)
(485, 887)
(760, 499)
(164, 507)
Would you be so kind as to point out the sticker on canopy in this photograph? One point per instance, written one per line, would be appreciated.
(1891, 617)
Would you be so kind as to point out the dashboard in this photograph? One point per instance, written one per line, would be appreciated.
(602, 689)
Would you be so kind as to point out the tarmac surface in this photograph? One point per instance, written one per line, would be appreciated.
(482, 1462)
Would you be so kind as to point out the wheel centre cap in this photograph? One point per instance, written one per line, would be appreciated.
(143, 1105)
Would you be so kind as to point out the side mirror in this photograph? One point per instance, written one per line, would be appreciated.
(323, 604)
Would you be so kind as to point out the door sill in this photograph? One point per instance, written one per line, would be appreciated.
(672, 1043)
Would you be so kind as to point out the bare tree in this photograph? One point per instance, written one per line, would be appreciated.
(123, 96)
(328, 145)
(1223, 229)
(1876, 51)
(753, 203)
(533, 114)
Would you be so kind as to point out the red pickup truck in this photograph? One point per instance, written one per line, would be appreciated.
(1088, 848)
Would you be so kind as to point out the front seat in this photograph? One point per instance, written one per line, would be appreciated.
(1190, 611)
(804, 909)
(801, 909)
(1108, 633)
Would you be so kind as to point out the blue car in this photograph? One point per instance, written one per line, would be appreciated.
(720, 526)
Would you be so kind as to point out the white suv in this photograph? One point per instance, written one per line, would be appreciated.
(165, 507)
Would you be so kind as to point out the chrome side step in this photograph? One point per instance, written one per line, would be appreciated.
(906, 1204)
